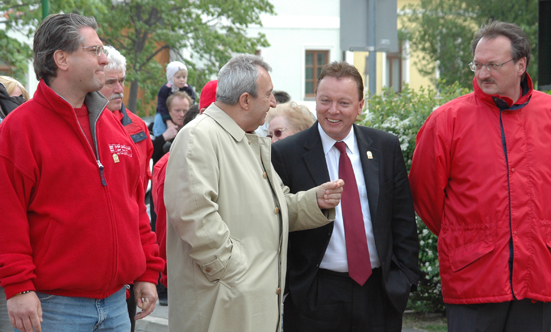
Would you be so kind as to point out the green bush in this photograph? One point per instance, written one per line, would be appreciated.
(403, 114)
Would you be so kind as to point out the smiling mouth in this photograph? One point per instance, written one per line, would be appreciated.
(333, 120)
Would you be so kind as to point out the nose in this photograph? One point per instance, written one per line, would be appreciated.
(333, 107)
(483, 72)
(103, 59)
(273, 103)
(119, 87)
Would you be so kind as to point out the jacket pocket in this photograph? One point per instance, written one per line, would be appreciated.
(216, 271)
(235, 268)
(43, 248)
(463, 256)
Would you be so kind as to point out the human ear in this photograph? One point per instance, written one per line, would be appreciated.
(60, 59)
(245, 100)
(521, 65)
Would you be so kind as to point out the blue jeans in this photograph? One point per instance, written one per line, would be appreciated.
(5, 324)
(80, 314)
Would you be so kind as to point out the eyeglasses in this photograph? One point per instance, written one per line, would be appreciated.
(97, 50)
(490, 66)
(277, 133)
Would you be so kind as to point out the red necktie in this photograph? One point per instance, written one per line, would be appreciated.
(359, 264)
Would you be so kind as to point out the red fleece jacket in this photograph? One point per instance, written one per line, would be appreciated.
(73, 219)
(157, 191)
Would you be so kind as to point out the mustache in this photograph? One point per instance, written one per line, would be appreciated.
(116, 95)
(488, 80)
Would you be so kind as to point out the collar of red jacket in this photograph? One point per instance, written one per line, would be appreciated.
(45, 96)
(506, 103)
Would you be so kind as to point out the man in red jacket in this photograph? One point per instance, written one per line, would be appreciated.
(481, 181)
(75, 230)
(113, 89)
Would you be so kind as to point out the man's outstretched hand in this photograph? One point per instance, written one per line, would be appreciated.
(329, 194)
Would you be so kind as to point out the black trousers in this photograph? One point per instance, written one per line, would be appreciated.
(131, 304)
(336, 303)
(514, 316)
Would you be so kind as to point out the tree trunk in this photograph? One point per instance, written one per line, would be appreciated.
(133, 98)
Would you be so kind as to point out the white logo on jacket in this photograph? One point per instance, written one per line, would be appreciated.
(121, 149)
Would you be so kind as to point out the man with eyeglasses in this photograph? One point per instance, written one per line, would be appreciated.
(75, 230)
(481, 181)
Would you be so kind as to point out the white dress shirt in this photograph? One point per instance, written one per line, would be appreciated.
(335, 258)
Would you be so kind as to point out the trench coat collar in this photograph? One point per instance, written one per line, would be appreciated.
(225, 121)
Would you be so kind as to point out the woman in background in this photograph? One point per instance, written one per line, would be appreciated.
(12, 94)
(288, 119)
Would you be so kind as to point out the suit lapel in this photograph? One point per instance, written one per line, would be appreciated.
(314, 158)
(370, 168)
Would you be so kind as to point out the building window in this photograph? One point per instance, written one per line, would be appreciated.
(314, 62)
(394, 70)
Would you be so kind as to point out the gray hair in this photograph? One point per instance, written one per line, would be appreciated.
(238, 76)
(520, 44)
(57, 32)
(116, 60)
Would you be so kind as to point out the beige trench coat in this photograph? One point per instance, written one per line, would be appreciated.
(229, 217)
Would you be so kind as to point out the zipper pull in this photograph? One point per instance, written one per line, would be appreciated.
(101, 174)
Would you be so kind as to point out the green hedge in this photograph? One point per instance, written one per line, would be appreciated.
(403, 114)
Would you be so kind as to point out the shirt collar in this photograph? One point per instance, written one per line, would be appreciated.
(328, 142)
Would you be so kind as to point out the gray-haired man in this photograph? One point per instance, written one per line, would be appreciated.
(228, 212)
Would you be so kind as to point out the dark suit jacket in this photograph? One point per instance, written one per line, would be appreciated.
(300, 162)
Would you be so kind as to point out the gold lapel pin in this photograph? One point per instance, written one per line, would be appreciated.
(369, 155)
(115, 158)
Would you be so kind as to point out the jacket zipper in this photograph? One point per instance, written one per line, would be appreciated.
(100, 166)
(511, 249)
(104, 182)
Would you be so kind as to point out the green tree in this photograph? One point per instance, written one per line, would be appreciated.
(210, 30)
(442, 32)
(24, 16)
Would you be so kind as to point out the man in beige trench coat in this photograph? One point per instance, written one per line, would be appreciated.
(229, 213)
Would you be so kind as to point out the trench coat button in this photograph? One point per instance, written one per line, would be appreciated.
(278, 290)
(249, 142)
(207, 270)
(277, 210)
(513, 169)
(265, 175)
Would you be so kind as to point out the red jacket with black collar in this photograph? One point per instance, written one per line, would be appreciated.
(481, 181)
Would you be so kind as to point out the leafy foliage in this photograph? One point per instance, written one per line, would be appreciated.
(442, 32)
(23, 16)
(403, 114)
(212, 30)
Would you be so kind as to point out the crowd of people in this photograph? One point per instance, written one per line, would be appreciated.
(264, 216)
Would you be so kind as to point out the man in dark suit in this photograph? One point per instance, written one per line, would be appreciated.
(364, 287)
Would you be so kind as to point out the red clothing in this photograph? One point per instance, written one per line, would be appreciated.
(72, 225)
(157, 191)
(477, 188)
(84, 121)
(137, 129)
